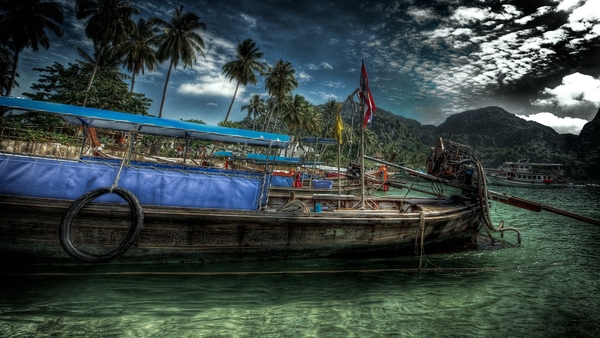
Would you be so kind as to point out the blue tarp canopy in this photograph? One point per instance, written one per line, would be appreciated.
(107, 119)
(260, 158)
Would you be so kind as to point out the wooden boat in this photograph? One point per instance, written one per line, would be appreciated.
(527, 174)
(99, 210)
(294, 173)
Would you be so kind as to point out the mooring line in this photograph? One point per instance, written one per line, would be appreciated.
(289, 272)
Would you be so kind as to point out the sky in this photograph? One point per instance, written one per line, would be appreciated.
(426, 59)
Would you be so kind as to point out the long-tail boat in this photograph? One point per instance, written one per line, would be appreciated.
(92, 209)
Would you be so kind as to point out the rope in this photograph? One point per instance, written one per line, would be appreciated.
(482, 193)
(295, 206)
(116, 182)
(266, 273)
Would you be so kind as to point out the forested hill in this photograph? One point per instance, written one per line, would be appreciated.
(495, 136)
(588, 147)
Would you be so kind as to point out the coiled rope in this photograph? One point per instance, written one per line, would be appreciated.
(484, 203)
(295, 206)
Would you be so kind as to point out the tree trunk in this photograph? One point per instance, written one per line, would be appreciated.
(132, 82)
(91, 80)
(13, 75)
(266, 127)
(233, 99)
(162, 103)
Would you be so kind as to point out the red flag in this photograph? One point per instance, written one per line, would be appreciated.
(366, 97)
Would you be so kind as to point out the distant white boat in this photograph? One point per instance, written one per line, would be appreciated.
(527, 174)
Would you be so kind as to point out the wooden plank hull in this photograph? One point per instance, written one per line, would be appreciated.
(29, 231)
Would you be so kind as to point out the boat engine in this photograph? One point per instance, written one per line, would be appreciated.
(454, 162)
(353, 170)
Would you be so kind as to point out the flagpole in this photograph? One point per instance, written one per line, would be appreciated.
(362, 150)
(339, 144)
(368, 109)
(339, 180)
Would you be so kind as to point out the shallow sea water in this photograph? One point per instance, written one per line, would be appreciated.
(547, 286)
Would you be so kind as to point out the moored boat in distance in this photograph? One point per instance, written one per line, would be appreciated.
(98, 209)
(527, 174)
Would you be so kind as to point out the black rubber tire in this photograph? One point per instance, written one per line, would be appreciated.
(137, 222)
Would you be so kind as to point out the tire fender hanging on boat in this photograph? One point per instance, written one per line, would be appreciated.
(137, 222)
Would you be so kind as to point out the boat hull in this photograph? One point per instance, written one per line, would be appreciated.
(492, 180)
(29, 231)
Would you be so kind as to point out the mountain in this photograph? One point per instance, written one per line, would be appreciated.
(494, 126)
(495, 136)
(588, 148)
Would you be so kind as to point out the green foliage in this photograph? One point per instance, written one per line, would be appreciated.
(67, 85)
(194, 121)
(230, 124)
(37, 127)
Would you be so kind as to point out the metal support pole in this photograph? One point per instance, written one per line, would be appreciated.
(339, 181)
(185, 150)
(84, 131)
(362, 159)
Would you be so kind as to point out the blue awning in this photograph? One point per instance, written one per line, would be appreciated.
(260, 158)
(107, 119)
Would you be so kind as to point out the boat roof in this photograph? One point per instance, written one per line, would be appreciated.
(321, 140)
(260, 158)
(107, 119)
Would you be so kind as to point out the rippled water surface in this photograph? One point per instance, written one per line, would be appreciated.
(548, 286)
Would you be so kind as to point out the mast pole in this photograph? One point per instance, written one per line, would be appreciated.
(362, 158)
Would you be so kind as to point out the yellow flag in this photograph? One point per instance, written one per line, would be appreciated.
(339, 126)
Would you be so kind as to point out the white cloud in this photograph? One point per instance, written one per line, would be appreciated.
(575, 89)
(589, 11)
(466, 15)
(510, 9)
(209, 79)
(555, 36)
(585, 17)
(249, 20)
(303, 76)
(325, 65)
(421, 15)
(334, 84)
(563, 125)
(209, 85)
(566, 5)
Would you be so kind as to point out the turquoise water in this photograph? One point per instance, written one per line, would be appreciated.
(548, 286)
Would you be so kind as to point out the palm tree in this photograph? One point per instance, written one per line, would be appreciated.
(330, 111)
(312, 120)
(108, 24)
(140, 54)
(256, 108)
(109, 62)
(243, 69)
(294, 112)
(280, 81)
(6, 62)
(23, 24)
(179, 42)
